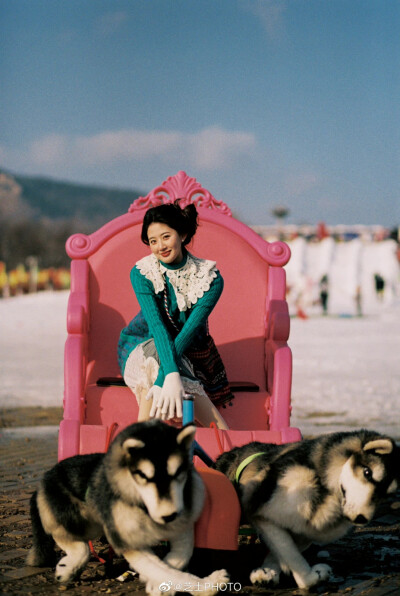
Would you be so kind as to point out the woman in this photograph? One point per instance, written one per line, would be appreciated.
(166, 350)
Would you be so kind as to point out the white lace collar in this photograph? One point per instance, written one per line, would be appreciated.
(189, 282)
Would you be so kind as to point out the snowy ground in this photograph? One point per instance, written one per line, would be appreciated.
(33, 332)
(346, 369)
(346, 373)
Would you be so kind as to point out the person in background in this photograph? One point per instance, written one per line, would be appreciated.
(324, 293)
(379, 286)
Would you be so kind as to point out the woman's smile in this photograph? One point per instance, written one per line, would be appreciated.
(165, 243)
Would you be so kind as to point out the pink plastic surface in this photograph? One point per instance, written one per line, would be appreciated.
(250, 323)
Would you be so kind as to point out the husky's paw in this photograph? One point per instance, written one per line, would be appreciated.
(33, 559)
(214, 582)
(265, 575)
(64, 570)
(37, 558)
(318, 573)
(67, 569)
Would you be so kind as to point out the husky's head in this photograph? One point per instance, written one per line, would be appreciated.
(369, 474)
(150, 467)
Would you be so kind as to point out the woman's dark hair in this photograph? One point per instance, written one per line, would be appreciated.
(184, 221)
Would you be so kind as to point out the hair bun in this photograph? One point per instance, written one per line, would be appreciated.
(191, 220)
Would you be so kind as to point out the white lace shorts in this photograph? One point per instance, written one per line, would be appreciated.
(141, 371)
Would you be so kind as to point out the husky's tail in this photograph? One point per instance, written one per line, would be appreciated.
(42, 552)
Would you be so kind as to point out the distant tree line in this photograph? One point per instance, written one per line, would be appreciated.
(37, 215)
(44, 239)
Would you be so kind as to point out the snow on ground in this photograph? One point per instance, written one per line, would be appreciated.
(33, 333)
(346, 369)
(346, 372)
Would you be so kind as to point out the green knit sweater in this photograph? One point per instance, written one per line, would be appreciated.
(152, 320)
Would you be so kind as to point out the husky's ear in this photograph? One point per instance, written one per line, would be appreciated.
(186, 435)
(132, 443)
(381, 446)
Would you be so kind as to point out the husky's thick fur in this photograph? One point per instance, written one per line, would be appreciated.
(142, 491)
(310, 491)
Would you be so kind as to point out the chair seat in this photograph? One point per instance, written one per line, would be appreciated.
(115, 407)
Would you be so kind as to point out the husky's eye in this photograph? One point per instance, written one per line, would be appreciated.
(368, 473)
(142, 478)
(179, 474)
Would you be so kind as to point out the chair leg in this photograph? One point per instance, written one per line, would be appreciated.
(68, 439)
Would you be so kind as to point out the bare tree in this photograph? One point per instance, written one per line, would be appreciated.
(280, 212)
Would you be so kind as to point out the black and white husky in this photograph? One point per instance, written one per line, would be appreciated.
(142, 491)
(310, 491)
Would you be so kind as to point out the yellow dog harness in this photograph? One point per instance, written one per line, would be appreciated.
(245, 463)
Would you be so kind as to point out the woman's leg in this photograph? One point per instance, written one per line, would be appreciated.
(140, 372)
(144, 407)
(205, 412)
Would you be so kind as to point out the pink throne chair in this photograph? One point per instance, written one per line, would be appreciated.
(250, 325)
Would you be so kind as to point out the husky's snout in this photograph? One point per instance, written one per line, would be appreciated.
(165, 510)
(170, 518)
(164, 518)
(357, 496)
(358, 520)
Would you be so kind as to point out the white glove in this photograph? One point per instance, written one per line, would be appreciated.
(154, 393)
(168, 404)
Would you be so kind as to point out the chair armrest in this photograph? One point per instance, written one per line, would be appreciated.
(77, 319)
(279, 373)
(76, 345)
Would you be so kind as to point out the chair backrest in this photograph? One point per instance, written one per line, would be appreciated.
(238, 323)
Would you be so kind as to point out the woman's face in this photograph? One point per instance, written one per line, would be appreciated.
(165, 243)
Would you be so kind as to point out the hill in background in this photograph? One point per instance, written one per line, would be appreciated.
(24, 197)
(37, 215)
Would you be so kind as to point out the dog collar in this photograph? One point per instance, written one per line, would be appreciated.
(245, 463)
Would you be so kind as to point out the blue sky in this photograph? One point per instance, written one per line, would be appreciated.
(265, 102)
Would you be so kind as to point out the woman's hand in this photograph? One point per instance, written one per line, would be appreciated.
(168, 403)
(154, 394)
